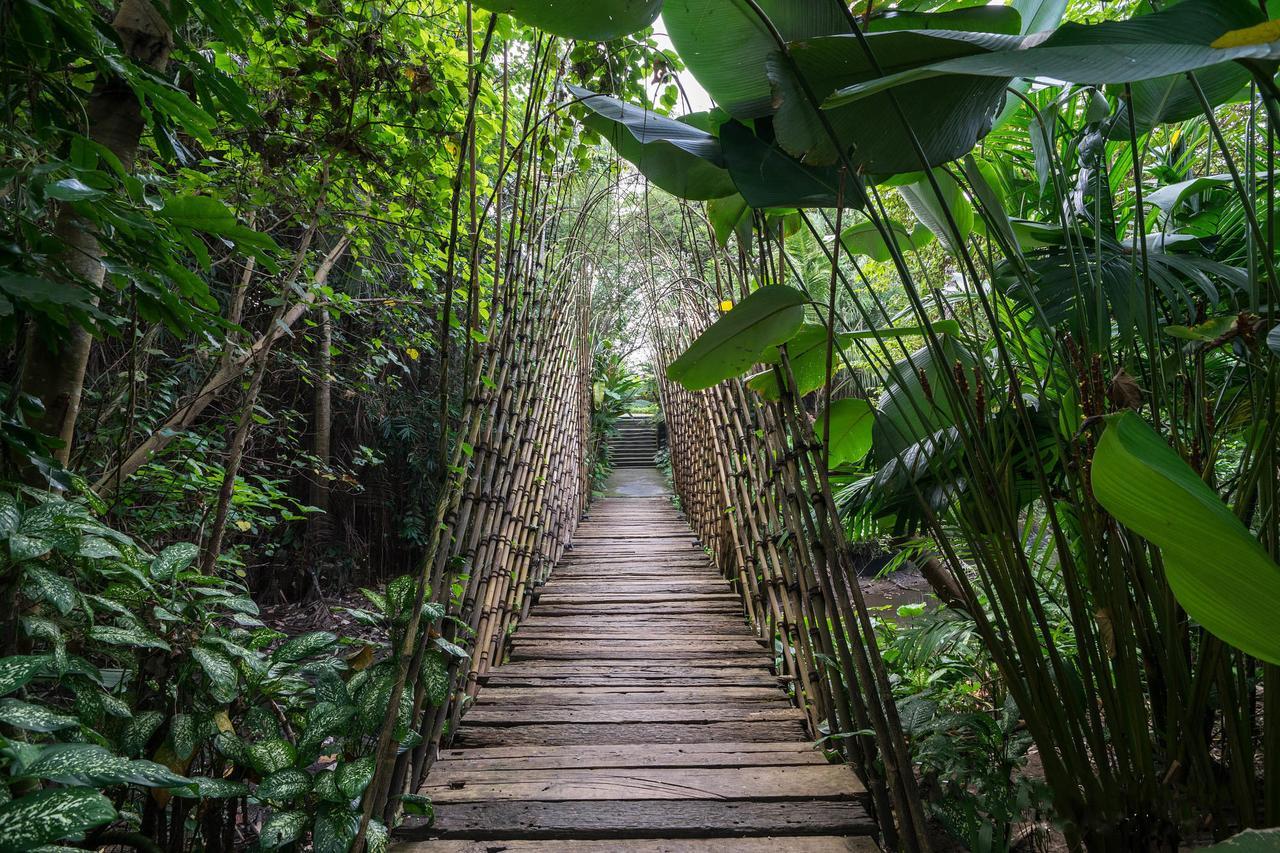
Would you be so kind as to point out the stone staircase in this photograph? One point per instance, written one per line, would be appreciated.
(635, 444)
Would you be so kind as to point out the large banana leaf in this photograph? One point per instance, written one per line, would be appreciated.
(807, 353)
(976, 19)
(1173, 41)
(590, 20)
(770, 316)
(1217, 569)
(947, 117)
(768, 177)
(683, 160)
(724, 44)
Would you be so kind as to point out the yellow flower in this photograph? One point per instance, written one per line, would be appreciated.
(412, 353)
(1264, 33)
(726, 305)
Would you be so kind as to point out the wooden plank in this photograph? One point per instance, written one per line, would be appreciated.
(582, 756)
(586, 820)
(812, 782)
(793, 844)
(628, 733)
(630, 694)
(517, 715)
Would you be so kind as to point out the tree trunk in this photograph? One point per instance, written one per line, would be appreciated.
(53, 370)
(235, 453)
(318, 524)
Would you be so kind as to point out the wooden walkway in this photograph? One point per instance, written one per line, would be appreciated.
(637, 712)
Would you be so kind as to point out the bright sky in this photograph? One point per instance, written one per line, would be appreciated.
(699, 100)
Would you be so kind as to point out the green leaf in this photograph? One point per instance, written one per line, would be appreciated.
(182, 734)
(86, 764)
(282, 828)
(1175, 40)
(52, 588)
(1169, 198)
(284, 786)
(218, 789)
(726, 45)
(71, 189)
(304, 646)
(172, 560)
(679, 158)
(334, 830)
(931, 212)
(223, 678)
(131, 637)
(435, 677)
(865, 239)
(17, 670)
(907, 414)
(10, 515)
(585, 20)
(1217, 569)
(851, 421)
(946, 116)
(1249, 841)
(268, 756)
(766, 176)
(977, 19)
(807, 352)
(139, 731)
(353, 777)
(769, 316)
(725, 214)
(33, 718)
(30, 289)
(451, 649)
(50, 815)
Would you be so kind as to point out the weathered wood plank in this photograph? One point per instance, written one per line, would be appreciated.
(582, 756)
(814, 782)
(586, 820)
(630, 694)
(794, 844)
(517, 715)
(623, 733)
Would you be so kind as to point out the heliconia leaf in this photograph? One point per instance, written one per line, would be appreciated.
(586, 20)
(766, 176)
(932, 212)
(1168, 198)
(769, 316)
(725, 45)
(977, 19)
(49, 815)
(807, 352)
(1174, 40)
(865, 239)
(1217, 569)
(946, 116)
(851, 421)
(681, 159)
(725, 214)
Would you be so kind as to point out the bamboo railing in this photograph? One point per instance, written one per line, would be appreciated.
(752, 480)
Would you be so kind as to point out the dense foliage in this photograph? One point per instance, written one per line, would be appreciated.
(301, 302)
